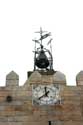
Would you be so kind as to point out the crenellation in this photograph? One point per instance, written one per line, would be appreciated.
(21, 110)
(12, 79)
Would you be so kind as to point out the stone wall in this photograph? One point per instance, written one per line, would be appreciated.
(19, 109)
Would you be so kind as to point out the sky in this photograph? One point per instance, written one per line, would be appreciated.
(19, 19)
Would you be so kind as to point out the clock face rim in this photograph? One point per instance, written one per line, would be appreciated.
(40, 98)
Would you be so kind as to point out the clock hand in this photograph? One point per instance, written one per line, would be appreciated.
(46, 92)
(41, 97)
(45, 95)
(45, 89)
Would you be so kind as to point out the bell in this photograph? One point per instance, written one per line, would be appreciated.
(42, 60)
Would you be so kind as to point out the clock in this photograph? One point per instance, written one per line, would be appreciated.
(46, 94)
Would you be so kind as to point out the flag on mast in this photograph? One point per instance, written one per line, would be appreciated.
(45, 36)
(36, 41)
(49, 41)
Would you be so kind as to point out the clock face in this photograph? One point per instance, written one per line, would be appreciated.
(46, 94)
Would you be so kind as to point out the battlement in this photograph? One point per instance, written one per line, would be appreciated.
(12, 78)
(17, 107)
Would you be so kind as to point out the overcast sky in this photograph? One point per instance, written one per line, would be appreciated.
(19, 19)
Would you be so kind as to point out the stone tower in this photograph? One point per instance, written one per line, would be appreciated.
(45, 97)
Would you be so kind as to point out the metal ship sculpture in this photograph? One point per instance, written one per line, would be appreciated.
(42, 56)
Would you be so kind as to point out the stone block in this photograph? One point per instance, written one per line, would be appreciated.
(12, 79)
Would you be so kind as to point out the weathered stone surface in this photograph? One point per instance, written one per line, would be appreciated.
(59, 77)
(21, 111)
(79, 79)
(12, 79)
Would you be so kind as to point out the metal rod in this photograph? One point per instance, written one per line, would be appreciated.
(35, 57)
(41, 34)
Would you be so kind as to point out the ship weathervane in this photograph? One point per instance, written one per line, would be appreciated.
(42, 56)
